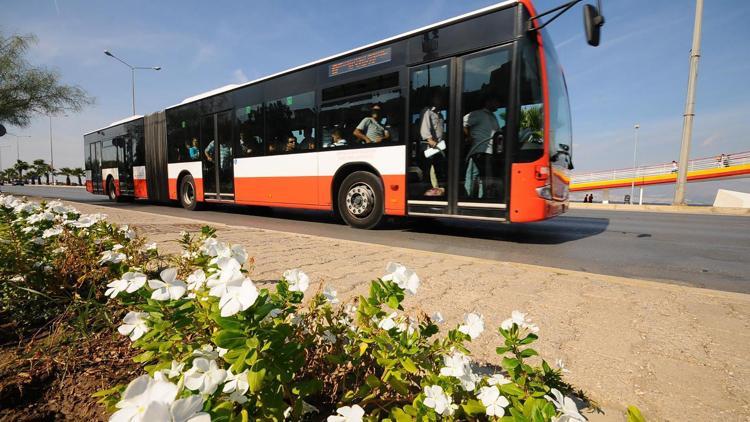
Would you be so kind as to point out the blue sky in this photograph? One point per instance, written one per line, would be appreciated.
(637, 75)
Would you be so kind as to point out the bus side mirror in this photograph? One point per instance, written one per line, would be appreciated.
(593, 22)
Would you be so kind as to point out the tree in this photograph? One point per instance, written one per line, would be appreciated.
(32, 175)
(78, 172)
(26, 90)
(65, 171)
(20, 167)
(8, 174)
(41, 168)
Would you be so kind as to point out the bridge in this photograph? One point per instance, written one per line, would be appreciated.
(701, 169)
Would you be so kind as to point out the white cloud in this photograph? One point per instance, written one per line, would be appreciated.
(239, 77)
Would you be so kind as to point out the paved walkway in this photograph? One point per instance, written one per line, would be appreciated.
(678, 353)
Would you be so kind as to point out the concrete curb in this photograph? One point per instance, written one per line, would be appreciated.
(673, 209)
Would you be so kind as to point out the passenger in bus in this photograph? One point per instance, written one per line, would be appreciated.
(337, 139)
(193, 150)
(308, 142)
(481, 132)
(245, 145)
(225, 154)
(433, 146)
(291, 144)
(369, 130)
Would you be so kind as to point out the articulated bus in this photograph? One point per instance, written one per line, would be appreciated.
(466, 118)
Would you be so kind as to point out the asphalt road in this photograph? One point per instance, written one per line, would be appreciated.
(709, 251)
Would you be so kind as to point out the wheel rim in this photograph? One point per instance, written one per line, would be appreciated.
(360, 200)
(188, 193)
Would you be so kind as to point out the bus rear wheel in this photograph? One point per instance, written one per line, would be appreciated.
(188, 197)
(360, 200)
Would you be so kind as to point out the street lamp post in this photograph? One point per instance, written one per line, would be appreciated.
(635, 155)
(18, 145)
(132, 73)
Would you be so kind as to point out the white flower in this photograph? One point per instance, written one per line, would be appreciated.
(129, 233)
(437, 318)
(112, 256)
(196, 280)
(348, 414)
(42, 216)
(330, 294)
(174, 371)
(54, 231)
(146, 399)
(151, 246)
(27, 230)
(229, 273)
(298, 280)
(410, 325)
(168, 288)
(87, 220)
(205, 376)
(455, 365)
(38, 240)
(207, 352)
(387, 323)
(236, 382)
(469, 379)
(473, 325)
(497, 379)
(520, 320)
(566, 406)
(238, 397)
(435, 398)
(560, 364)
(134, 325)
(238, 298)
(402, 276)
(188, 410)
(130, 282)
(493, 401)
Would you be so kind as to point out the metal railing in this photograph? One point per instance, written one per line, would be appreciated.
(725, 161)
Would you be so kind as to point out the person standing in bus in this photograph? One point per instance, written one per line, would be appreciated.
(480, 129)
(433, 142)
(369, 130)
(193, 150)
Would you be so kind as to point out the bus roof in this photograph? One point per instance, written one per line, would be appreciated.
(119, 122)
(231, 87)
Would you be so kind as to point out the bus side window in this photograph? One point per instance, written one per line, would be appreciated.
(290, 124)
(368, 119)
(250, 129)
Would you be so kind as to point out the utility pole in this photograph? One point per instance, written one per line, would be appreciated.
(687, 123)
(51, 156)
(132, 73)
(635, 155)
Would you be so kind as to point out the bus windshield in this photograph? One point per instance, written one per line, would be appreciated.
(561, 137)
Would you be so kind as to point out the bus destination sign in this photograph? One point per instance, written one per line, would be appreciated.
(360, 62)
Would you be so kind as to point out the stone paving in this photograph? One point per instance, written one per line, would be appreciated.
(678, 353)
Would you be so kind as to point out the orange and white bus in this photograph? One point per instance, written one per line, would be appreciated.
(465, 118)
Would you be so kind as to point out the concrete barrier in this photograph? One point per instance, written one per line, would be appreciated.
(732, 199)
(663, 208)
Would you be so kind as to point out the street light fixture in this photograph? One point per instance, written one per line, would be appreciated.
(132, 72)
(635, 152)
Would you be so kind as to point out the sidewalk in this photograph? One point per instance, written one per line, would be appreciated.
(678, 353)
(676, 209)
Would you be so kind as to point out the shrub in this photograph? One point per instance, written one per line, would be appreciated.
(216, 346)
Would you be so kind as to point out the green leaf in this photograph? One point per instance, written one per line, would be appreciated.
(473, 408)
(512, 390)
(230, 339)
(373, 381)
(528, 353)
(529, 339)
(255, 379)
(400, 416)
(510, 363)
(634, 415)
(502, 350)
(409, 365)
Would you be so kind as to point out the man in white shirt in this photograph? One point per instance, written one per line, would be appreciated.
(481, 129)
(369, 130)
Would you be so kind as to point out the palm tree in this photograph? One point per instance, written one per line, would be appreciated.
(78, 172)
(42, 168)
(32, 175)
(20, 167)
(66, 171)
(9, 174)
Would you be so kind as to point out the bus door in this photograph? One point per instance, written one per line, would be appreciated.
(456, 151)
(217, 156)
(125, 163)
(95, 149)
(482, 102)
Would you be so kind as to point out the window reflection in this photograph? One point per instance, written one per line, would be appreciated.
(290, 122)
(250, 127)
(364, 119)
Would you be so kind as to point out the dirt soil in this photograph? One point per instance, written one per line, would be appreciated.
(42, 384)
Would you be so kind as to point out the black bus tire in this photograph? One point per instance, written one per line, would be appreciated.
(188, 194)
(361, 200)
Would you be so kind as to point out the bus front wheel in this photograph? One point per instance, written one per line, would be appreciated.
(188, 197)
(361, 199)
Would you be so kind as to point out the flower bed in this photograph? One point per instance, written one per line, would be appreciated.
(215, 346)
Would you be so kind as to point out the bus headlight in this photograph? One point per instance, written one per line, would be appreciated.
(544, 192)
